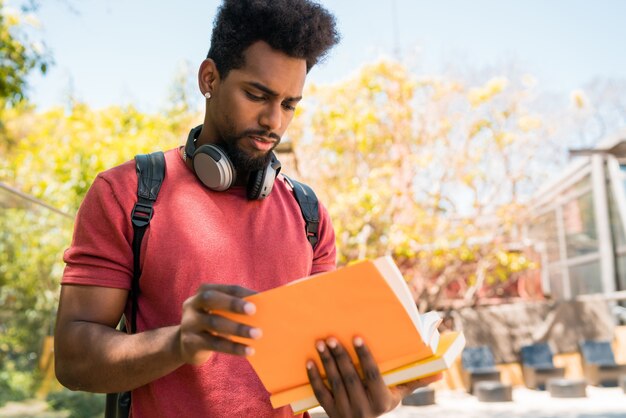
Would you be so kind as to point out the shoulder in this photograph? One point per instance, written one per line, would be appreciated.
(119, 184)
(122, 179)
(291, 184)
(302, 194)
(310, 205)
(300, 191)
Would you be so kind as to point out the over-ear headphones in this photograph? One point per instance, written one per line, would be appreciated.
(215, 170)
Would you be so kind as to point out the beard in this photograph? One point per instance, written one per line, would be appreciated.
(243, 161)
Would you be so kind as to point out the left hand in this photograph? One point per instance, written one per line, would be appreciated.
(348, 395)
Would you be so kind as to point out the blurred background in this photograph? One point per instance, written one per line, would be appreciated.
(482, 144)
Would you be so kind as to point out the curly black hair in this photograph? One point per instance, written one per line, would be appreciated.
(299, 28)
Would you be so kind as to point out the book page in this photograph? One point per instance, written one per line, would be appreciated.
(426, 323)
(430, 323)
(396, 281)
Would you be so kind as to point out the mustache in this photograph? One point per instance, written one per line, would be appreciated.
(261, 133)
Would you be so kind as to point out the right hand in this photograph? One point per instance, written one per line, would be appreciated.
(202, 331)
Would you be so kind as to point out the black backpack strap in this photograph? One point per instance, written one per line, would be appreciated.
(307, 200)
(150, 174)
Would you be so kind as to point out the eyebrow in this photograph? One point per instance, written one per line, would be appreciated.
(271, 92)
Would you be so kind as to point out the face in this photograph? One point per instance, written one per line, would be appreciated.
(252, 107)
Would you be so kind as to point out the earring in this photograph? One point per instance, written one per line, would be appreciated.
(207, 94)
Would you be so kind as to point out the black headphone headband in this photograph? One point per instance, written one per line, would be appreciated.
(190, 147)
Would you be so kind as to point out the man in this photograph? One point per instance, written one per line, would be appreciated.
(206, 249)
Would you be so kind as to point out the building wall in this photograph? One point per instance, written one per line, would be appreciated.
(578, 227)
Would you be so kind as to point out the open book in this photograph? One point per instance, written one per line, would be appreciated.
(369, 299)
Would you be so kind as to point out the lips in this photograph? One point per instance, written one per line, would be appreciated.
(262, 143)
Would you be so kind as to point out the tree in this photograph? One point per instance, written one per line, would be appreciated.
(60, 151)
(19, 55)
(58, 155)
(597, 110)
(53, 156)
(428, 169)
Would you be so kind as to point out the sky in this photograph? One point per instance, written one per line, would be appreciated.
(118, 52)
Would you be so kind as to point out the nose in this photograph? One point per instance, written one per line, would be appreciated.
(271, 117)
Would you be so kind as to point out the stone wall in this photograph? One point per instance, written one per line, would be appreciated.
(505, 328)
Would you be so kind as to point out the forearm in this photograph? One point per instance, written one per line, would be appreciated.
(96, 358)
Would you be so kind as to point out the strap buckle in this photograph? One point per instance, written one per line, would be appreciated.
(141, 214)
(311, 228)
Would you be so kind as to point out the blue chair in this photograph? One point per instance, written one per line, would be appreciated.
(537, 365)
(599, 364)
(478, 365)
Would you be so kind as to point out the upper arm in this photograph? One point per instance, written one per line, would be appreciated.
(86, 321)
(94, 304)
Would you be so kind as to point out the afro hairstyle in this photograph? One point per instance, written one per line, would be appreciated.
(299, 28)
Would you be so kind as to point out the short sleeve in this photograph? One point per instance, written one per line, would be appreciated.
(101, 250)
(325, 252)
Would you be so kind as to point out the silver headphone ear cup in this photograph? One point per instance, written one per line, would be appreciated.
(213, 168)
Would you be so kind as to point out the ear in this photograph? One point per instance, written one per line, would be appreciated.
(208, 76)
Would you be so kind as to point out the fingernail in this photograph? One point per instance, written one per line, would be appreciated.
(249, 308)
(320, 346)
(256, 333)
(358, 342)
(249, 351)
(309, 365)
(332, 343)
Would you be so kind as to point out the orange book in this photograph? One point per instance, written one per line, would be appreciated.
(369, 299)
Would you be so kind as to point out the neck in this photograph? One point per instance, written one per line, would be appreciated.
(242, 179)
(207, 134)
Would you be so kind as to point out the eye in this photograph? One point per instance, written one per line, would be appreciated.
(254, 97)
(288, 107)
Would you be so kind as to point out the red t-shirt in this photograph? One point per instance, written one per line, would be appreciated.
(196, 236)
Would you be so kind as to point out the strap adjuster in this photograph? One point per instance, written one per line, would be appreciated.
(311, 228)
(141, 214)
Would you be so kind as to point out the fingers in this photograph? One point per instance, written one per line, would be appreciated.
(380, 396)
(212, 298)
(223, 345)
(347, 394)
(203, 329)
(352, 381)
(215, 324)
(202, 332)
(322, 392)
(234, 290)
(223, 297)
(197, 347)
(338, 389)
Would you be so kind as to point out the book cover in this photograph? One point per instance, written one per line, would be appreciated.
(370, 299)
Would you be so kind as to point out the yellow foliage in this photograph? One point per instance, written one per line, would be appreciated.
(529, 123)
(478, 126)
(479, 95)
(579, 99)
(496, 85)
(391, 156)
(60, 152)
(11, 16)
